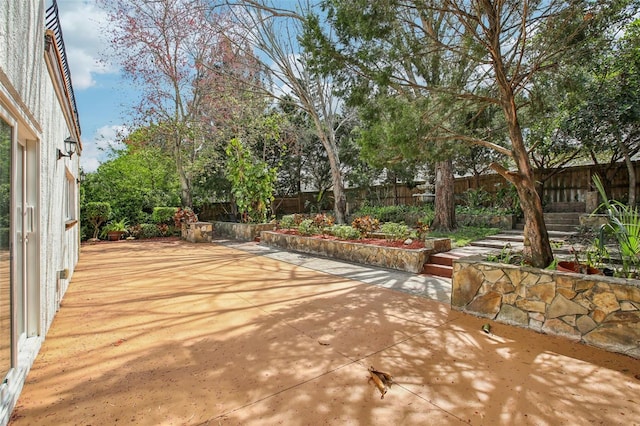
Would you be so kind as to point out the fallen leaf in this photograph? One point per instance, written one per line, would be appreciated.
(383, 381)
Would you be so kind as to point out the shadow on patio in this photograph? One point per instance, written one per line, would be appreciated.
(173, 333)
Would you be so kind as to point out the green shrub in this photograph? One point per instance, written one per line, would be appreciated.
(291, 221)
(5, 238)
(147, 230)
(308, 227)
(397, 231)
(398, 214)
(476, 198)
(163, 215)
(344, 232)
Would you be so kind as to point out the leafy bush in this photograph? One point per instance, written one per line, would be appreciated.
(185, 215)
(475, 198)
(423, 227)
(308, 227)
(623, 222)
(97, 213)
(291, 221)
(398, 214)
(322, 220)
(507, 199)
(344, 232)
(366, 224)
(5, 237)
(397, 231)
(146, 230)
(163, 215)
(252, 182)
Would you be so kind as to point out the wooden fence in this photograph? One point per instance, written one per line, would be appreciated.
(563, 189)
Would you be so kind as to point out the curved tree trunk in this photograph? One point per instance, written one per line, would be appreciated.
(537, 248)
(445, 214)
(328, 139)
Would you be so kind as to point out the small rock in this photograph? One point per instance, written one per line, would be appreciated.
(408, 241)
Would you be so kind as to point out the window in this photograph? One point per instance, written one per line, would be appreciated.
(6, 137)
(70, 199)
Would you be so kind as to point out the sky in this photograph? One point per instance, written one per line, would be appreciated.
(103, 97)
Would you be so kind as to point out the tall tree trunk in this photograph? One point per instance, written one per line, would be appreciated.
(445, 214)
(631, 172)
(185, 184)
(339, 197)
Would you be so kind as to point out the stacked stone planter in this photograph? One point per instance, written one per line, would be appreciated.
(197, 232)
(410, 260)
(596, 310)
(242, 231)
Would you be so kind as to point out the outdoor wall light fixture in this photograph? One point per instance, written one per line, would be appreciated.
(70, 145)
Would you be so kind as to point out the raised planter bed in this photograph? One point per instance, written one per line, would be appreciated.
(242, 231)
(410, 260)
(594, 309)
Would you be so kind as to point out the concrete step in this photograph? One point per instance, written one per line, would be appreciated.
(553, 227)
(509, 237)
(497, 244)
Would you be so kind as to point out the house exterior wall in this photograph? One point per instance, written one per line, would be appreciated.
(33, 94)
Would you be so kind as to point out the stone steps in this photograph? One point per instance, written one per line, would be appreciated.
(441, 264)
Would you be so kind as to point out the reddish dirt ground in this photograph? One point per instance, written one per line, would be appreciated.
(172, 333)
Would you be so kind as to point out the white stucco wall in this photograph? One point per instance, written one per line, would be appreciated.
(28, 94)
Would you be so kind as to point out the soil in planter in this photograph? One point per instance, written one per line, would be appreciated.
(415, 244)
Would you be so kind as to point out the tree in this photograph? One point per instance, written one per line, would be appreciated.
(133, 182)
(252, 182)
(606, 118)
(170, 48)
(274, 31)
(505, 45)
(97, 213)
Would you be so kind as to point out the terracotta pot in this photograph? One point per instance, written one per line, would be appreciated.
(566, 266)
(114, 235)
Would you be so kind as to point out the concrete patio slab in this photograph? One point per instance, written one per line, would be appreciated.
(173, 333)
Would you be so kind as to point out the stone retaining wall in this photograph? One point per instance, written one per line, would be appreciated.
(242, 231)
(597, 310)
(386, 257)
(198, 232)
(495, 221)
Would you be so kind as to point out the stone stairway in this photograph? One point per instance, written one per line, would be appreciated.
(560, 226)
(441, 264)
